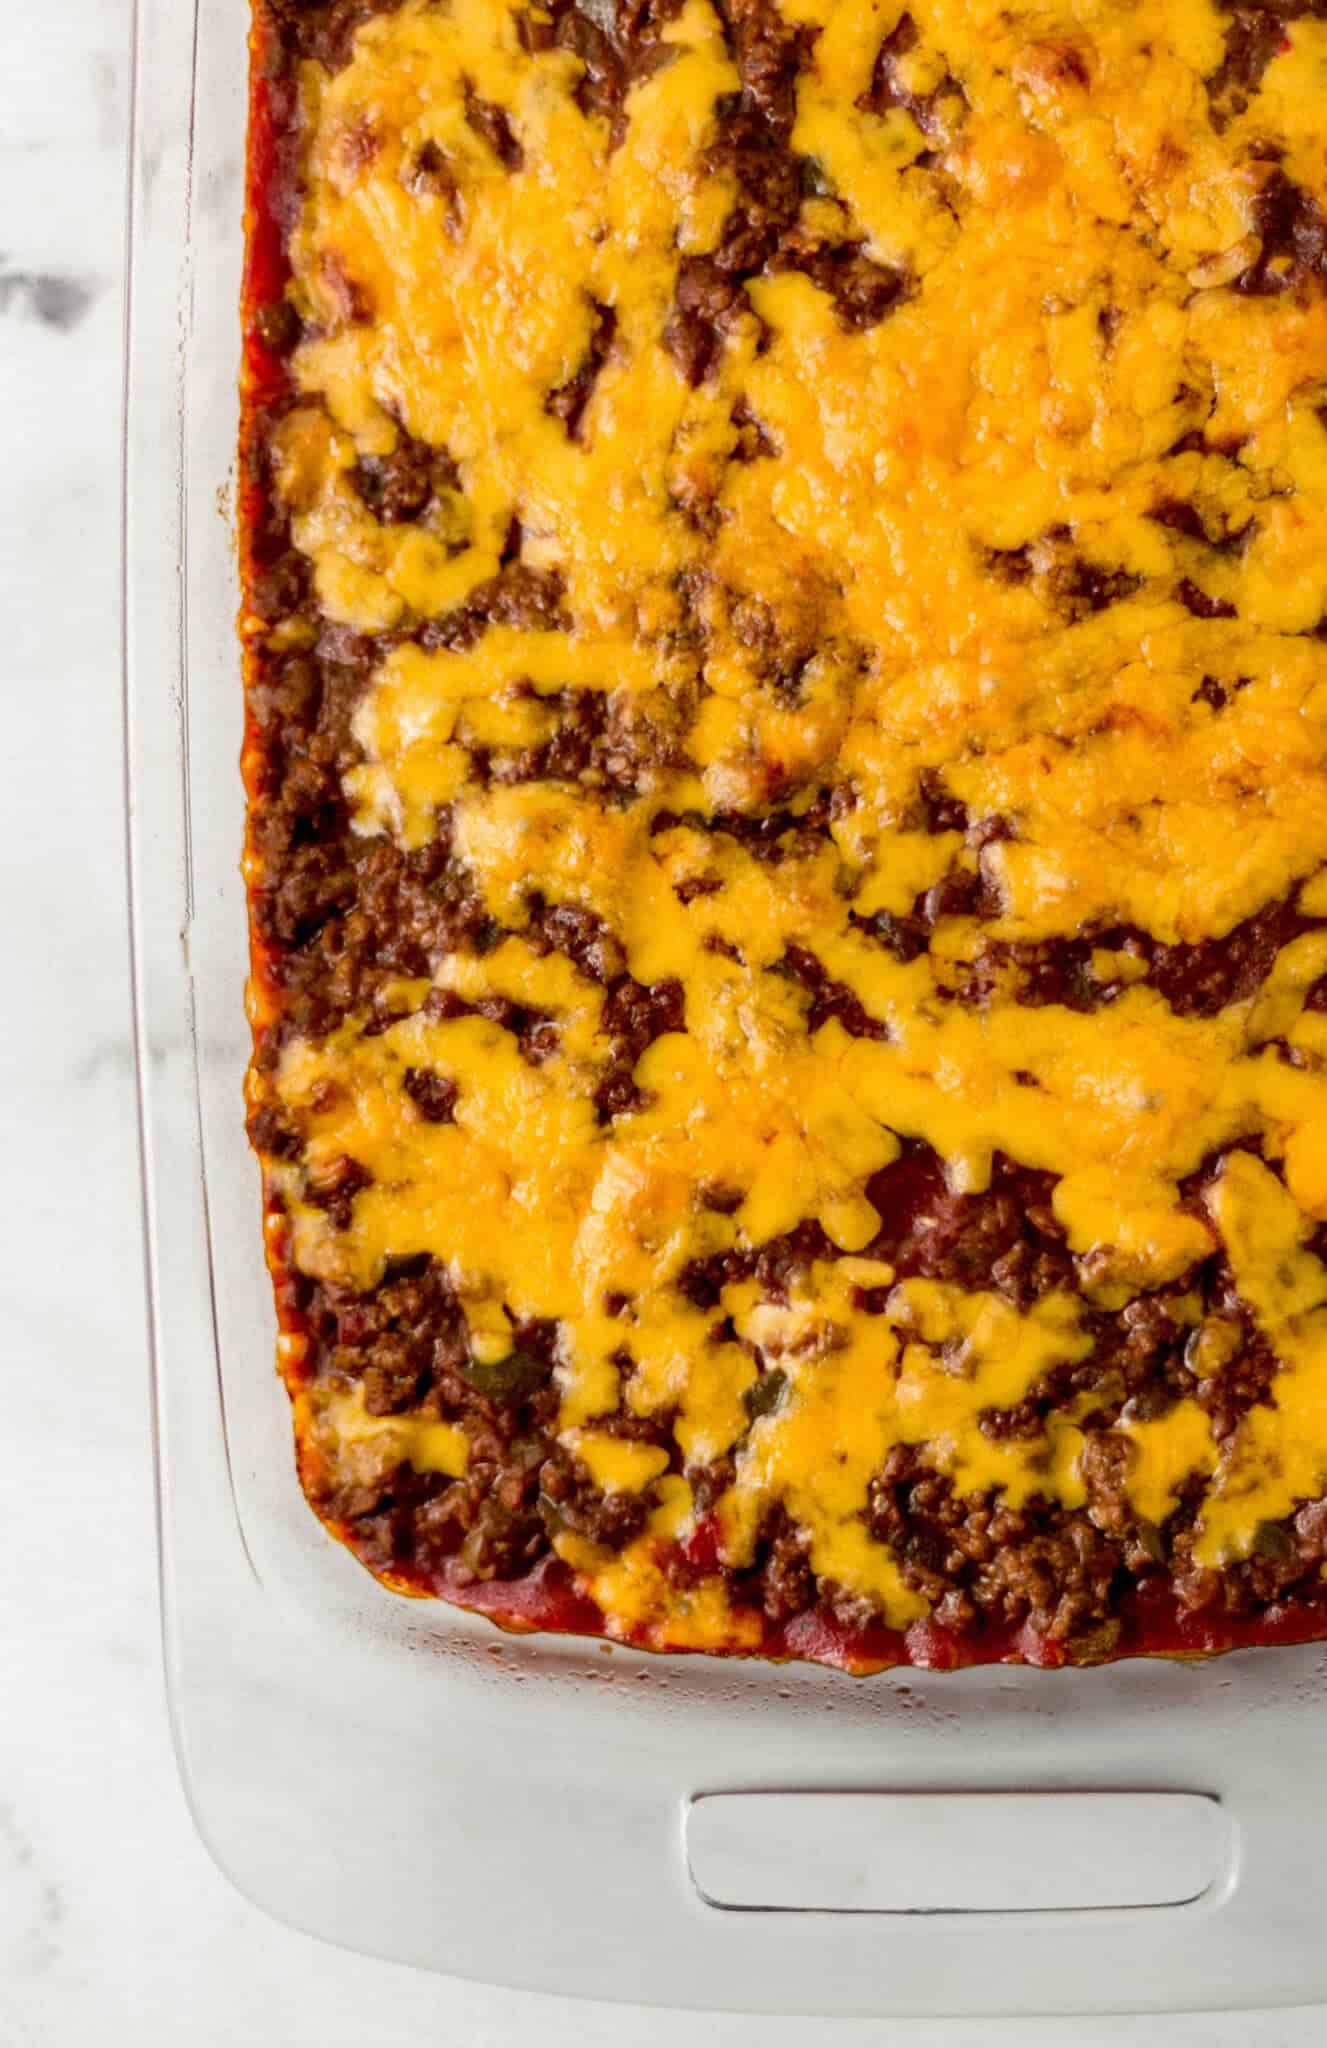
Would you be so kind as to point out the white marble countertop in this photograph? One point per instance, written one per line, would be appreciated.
(114, 1926)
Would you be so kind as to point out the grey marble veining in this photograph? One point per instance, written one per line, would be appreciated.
(115, 1930)
(55, 299)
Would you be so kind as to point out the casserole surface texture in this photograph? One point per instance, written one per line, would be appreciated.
(785, 621)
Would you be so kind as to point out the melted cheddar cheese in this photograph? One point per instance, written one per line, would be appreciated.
(1047, 535)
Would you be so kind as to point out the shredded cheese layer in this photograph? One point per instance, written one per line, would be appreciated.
(1049, 535)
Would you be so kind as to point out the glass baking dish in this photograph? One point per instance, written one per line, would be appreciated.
(539, 1811)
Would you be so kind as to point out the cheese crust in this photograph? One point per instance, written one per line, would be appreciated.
(785, 559)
